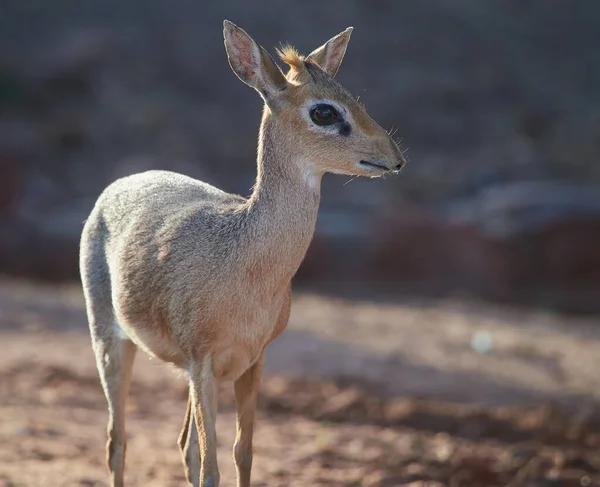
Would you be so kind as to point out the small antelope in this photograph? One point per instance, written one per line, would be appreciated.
(201, 278)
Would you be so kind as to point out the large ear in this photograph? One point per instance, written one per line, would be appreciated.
(252, 63)
(329, 56)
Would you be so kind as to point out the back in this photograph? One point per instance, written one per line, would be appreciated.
(152, 197)
(145, 222)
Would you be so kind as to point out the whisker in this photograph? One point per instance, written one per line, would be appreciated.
(398, 141)
(351, 179)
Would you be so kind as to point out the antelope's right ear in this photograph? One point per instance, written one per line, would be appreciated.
(252, 63)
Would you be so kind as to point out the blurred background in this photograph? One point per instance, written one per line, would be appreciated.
(498, 106)
(464, 279)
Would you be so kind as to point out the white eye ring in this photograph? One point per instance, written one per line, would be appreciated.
(331, 128)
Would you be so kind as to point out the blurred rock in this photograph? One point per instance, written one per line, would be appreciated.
(551, 260)
(560, 263)
(26, 252)
(423, 251)
(11, 182)
(405, 247)
(65, 66)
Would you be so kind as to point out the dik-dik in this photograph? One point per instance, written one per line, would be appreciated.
(200, 278)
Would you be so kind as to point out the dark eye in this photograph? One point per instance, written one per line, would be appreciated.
(324, 114)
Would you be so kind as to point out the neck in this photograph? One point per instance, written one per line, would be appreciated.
(284, 203)
(280, 175)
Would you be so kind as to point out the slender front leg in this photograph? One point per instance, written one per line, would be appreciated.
(203, 394)
(246, 392)
(188, 445)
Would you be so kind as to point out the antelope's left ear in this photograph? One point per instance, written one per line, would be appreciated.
(329, 56)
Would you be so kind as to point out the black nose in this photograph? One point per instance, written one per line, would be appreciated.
(399, 157)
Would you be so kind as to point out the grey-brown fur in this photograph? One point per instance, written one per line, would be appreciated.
(201, 278)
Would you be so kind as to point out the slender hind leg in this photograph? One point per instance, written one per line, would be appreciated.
(114, 358)
(189, 447)
(114, 352)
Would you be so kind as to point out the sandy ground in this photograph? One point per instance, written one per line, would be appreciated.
(356, 392)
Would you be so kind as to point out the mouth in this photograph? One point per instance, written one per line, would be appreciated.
(378, 165)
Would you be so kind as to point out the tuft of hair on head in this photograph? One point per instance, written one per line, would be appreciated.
(290, 56)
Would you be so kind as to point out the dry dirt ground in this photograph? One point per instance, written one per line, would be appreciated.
(356, 393)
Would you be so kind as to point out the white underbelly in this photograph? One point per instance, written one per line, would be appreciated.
(154, 345)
